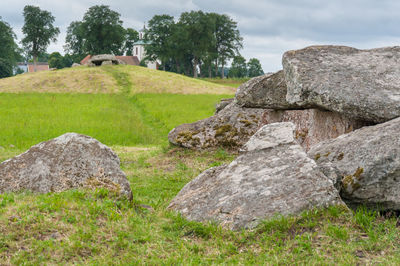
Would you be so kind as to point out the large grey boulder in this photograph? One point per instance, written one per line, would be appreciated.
(69, 161)
(364, 164)
(313, 125)
(362, 84)
(273, 176)
(104, 59)
(231, 127)
(267, 91)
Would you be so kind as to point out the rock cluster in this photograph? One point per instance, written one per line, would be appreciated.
(69, 161)
(344, 104)
(104, 59)
(273, 176)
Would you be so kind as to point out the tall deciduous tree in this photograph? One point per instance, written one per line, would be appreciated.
(103, 31)
(131, 36)
(159, 38)
(9, 51)
(198, 31)
(227, 40)
(74, 41)
(39, 31)
(254, 68)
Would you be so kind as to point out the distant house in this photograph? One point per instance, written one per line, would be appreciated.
(139, 50)
(29, 67)
(128, 59)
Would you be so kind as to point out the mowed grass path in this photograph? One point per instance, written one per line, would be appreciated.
(144, 119)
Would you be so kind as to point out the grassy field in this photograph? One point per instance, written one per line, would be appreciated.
(96, 228)
(110, 79)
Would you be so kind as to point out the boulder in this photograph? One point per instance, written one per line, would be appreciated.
(266, 91)
(222, 104)
(75, 65)
(104, 59)
(313, 125)
(230, 128)
(361, 84)
(364, 164)
(69, 161)
(273, 176)
(106, 62)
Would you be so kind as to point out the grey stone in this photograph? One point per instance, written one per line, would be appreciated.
(266, 91)
(106, 62)
(364, 164)
(274, 176)
(361, 84)
(69, 161)
(75, 65)
(230, 128)
(313, 125)
(222, 104)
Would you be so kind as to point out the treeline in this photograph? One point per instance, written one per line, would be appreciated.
(196, 42)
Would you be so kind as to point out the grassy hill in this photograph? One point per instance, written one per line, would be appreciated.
(110, 79)
(132, 109)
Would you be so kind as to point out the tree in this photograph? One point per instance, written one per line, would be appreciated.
(158, 37)
(238, 68)
(198, 31)
(39, 31)
(227, 40)
(9, 51)
(56, 60)
(74, 41)
(103, 31)
(131, 36)
(254, 68)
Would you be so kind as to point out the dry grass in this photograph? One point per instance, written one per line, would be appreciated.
(106, 80)
(146, 80)
(70, 80)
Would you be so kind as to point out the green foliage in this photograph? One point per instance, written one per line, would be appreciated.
(100, 32)
(38, 30)
(6, 68)
(56, 60)
(9, 51)
(254, 68)
(131, 36)
(198, 39)
(238, 68)
(74, 41)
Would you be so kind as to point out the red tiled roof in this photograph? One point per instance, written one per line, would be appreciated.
(39, 67)
(129, 59)
(84, 60)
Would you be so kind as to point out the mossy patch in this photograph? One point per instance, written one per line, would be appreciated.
(186, 137)
(350, 183)
(246, 123)
(317, 156)
(227, 135)
(340, 156)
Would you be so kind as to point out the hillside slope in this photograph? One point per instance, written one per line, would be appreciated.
(110, 79)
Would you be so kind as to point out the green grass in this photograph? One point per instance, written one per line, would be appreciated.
(29, 118)
(94, 228)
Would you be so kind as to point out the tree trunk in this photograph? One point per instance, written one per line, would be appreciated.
(209, 71)
(34, 63)
(195, 67)
(216, 67)
(222, 71)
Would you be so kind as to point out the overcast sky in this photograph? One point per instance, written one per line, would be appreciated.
(268, 27)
